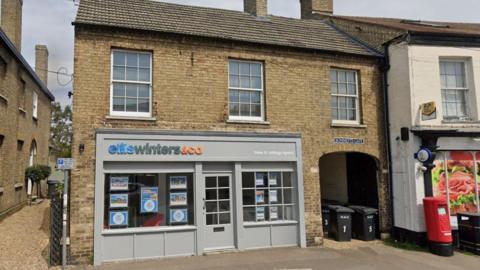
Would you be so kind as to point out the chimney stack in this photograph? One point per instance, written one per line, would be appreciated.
(257, 8)
(41, 62)
(11, 20)
(316, 8)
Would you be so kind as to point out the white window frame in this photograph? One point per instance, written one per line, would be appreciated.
(150, 84)
(261, 118)
(356, 96)
(466, 89)
(35, 105)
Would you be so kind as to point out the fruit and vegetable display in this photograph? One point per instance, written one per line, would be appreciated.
(458, 178)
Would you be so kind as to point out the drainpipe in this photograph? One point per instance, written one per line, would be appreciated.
(385, 70)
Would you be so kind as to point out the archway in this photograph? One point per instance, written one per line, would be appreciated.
(349, 178)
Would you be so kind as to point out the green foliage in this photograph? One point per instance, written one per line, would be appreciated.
(61, 130)
(36, 173)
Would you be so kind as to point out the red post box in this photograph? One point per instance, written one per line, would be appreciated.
(439, 231)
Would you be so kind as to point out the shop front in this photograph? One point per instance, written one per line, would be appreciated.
(456, 175)
(160, 194)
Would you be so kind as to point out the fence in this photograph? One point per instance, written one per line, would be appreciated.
(56, 212)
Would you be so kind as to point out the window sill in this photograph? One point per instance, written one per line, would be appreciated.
(18, 186)
(270, 223)
(22, 110)
(148, 230)
(347, 125)
(133, 118)
(457, 121)
(2, 190)
(248, 122)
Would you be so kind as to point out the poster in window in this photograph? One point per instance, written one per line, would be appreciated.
(149, 200)
(118, 218)
(178, 216)
(272, 195)
(178, 198)
(272, 178)
(455, 178)
(260, 196)
(119, 200)
(178, 182)
(273, 213)
(119, 183)
(259, 179)
(260, 213)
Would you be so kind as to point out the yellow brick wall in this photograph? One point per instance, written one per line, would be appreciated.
(190, 92)
(17, 125)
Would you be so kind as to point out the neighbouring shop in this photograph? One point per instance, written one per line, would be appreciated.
(163, 194)
(456, 175)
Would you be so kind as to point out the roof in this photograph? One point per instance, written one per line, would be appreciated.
(418, 26)
(218, 23)
(14, 51)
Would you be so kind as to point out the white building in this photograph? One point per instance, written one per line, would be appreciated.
(433, 92)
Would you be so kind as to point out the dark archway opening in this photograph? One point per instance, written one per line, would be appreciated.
(349, 178)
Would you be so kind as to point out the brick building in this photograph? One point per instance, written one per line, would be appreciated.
(253, 119)
(24, 110)
(433, 107)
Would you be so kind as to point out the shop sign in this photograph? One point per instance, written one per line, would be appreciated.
(341, 140)
(429, 111)
(153, 149)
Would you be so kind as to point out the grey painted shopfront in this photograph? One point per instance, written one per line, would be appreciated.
(161, 194)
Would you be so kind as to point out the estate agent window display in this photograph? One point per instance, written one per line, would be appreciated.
(148, 200)
(268, 197)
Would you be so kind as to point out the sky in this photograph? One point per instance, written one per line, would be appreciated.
(49, 22)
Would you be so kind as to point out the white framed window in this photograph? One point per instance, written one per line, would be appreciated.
(246, 95)
(131, 87)
(454, 89)
(35, 105)
(345, 101)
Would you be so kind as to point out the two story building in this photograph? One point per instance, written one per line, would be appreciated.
(25, 110)
(433, 104)
(201, 129)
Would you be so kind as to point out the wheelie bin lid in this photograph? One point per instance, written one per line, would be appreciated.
(340, 209)
(363, 209)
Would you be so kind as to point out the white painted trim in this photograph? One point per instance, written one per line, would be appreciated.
(262, 90)
(357, 97)
(132, 114)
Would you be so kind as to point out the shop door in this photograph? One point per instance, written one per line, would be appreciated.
(219, 233)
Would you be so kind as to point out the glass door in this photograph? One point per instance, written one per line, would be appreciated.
(218, 212)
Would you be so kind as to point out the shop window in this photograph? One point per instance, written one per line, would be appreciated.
(454, 89)
(131, 83)
(344, 91)
(268, 196)
(148, 200)
(454, 178)
(245, 90)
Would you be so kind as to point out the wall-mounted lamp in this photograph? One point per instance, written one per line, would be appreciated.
(81, 148)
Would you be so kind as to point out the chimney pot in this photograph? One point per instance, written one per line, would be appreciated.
(316, 8)
(257, 8)
(41, 62)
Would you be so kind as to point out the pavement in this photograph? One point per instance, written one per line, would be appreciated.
(24, 241)
(24, 238)
(354, 256)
